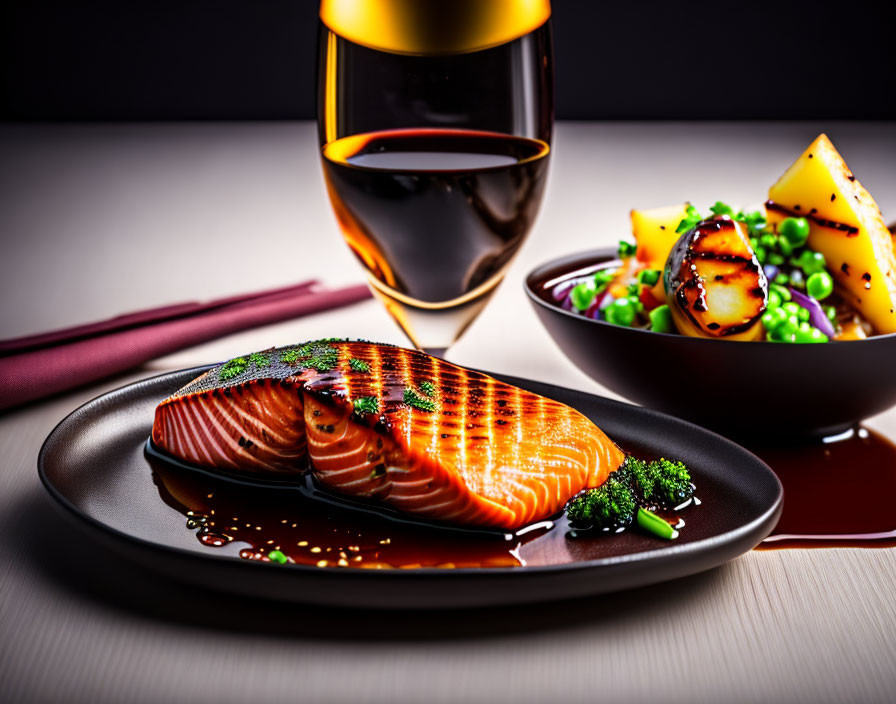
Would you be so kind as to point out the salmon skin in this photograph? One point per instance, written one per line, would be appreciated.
(390, 425)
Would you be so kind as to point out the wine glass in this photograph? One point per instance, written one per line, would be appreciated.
(435, 121)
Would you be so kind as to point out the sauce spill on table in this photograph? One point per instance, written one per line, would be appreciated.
(839, 492)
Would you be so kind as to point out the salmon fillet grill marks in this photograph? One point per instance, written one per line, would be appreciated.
(391, 425)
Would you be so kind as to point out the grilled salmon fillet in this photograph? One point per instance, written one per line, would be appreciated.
(391, 425)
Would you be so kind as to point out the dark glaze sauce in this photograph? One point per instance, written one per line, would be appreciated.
(836, 494)
(321, 530)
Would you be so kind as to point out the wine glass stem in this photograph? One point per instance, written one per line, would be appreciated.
(435, 351)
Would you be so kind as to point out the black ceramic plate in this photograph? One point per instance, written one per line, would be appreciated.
(95, 466)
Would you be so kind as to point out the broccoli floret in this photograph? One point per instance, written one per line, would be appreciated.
(633, 489)
(637, 473)
(608, 507)
(671, 483)
(657, 484)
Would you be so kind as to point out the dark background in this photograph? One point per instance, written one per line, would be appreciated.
(255, 59)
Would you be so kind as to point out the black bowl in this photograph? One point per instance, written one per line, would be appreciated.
(754, 390)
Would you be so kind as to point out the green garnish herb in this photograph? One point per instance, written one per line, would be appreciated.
(656, 525)
(415, 400)
(233, 368)
(690, 220)
(366, 404)
(428, 388)
(277, 556)
(635, 487)
(259, 359)
(626, 249)
(290, 356)
(721, 208)
(313, 355)
(755, 221)
(320, 356)
(358, 365)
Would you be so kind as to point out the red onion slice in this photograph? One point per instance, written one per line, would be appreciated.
(817, 318)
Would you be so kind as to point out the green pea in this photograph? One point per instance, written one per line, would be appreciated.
(796, 230)
(803, 315)
(797, 279)
(754, 243)
(817, 336)
(774, 335)
(776, 259)
(661, 319)
(809, 334)
(771, 319)
(792, 308)
(784, 246)
(831, 312)
(604, 276)
(760, 253)
(774, 300)
(649, 277)
(790, 327)
(782, 291)
(768, 240)
(813, 262)
(277, 556)
(582, 295)
(620, 312)
(820, 285)
(782, 279)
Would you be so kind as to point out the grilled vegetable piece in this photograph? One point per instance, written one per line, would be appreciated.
(393, 426)
(633, 489)
(715, 286)
(846, 226)
(609, 507)
(654, 232)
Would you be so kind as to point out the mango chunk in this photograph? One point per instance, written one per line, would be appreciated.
(654, 232)
(846, 226)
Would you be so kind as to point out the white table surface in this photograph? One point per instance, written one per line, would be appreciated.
(96, 220)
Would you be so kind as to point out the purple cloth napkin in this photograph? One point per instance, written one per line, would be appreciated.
(40, 365)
